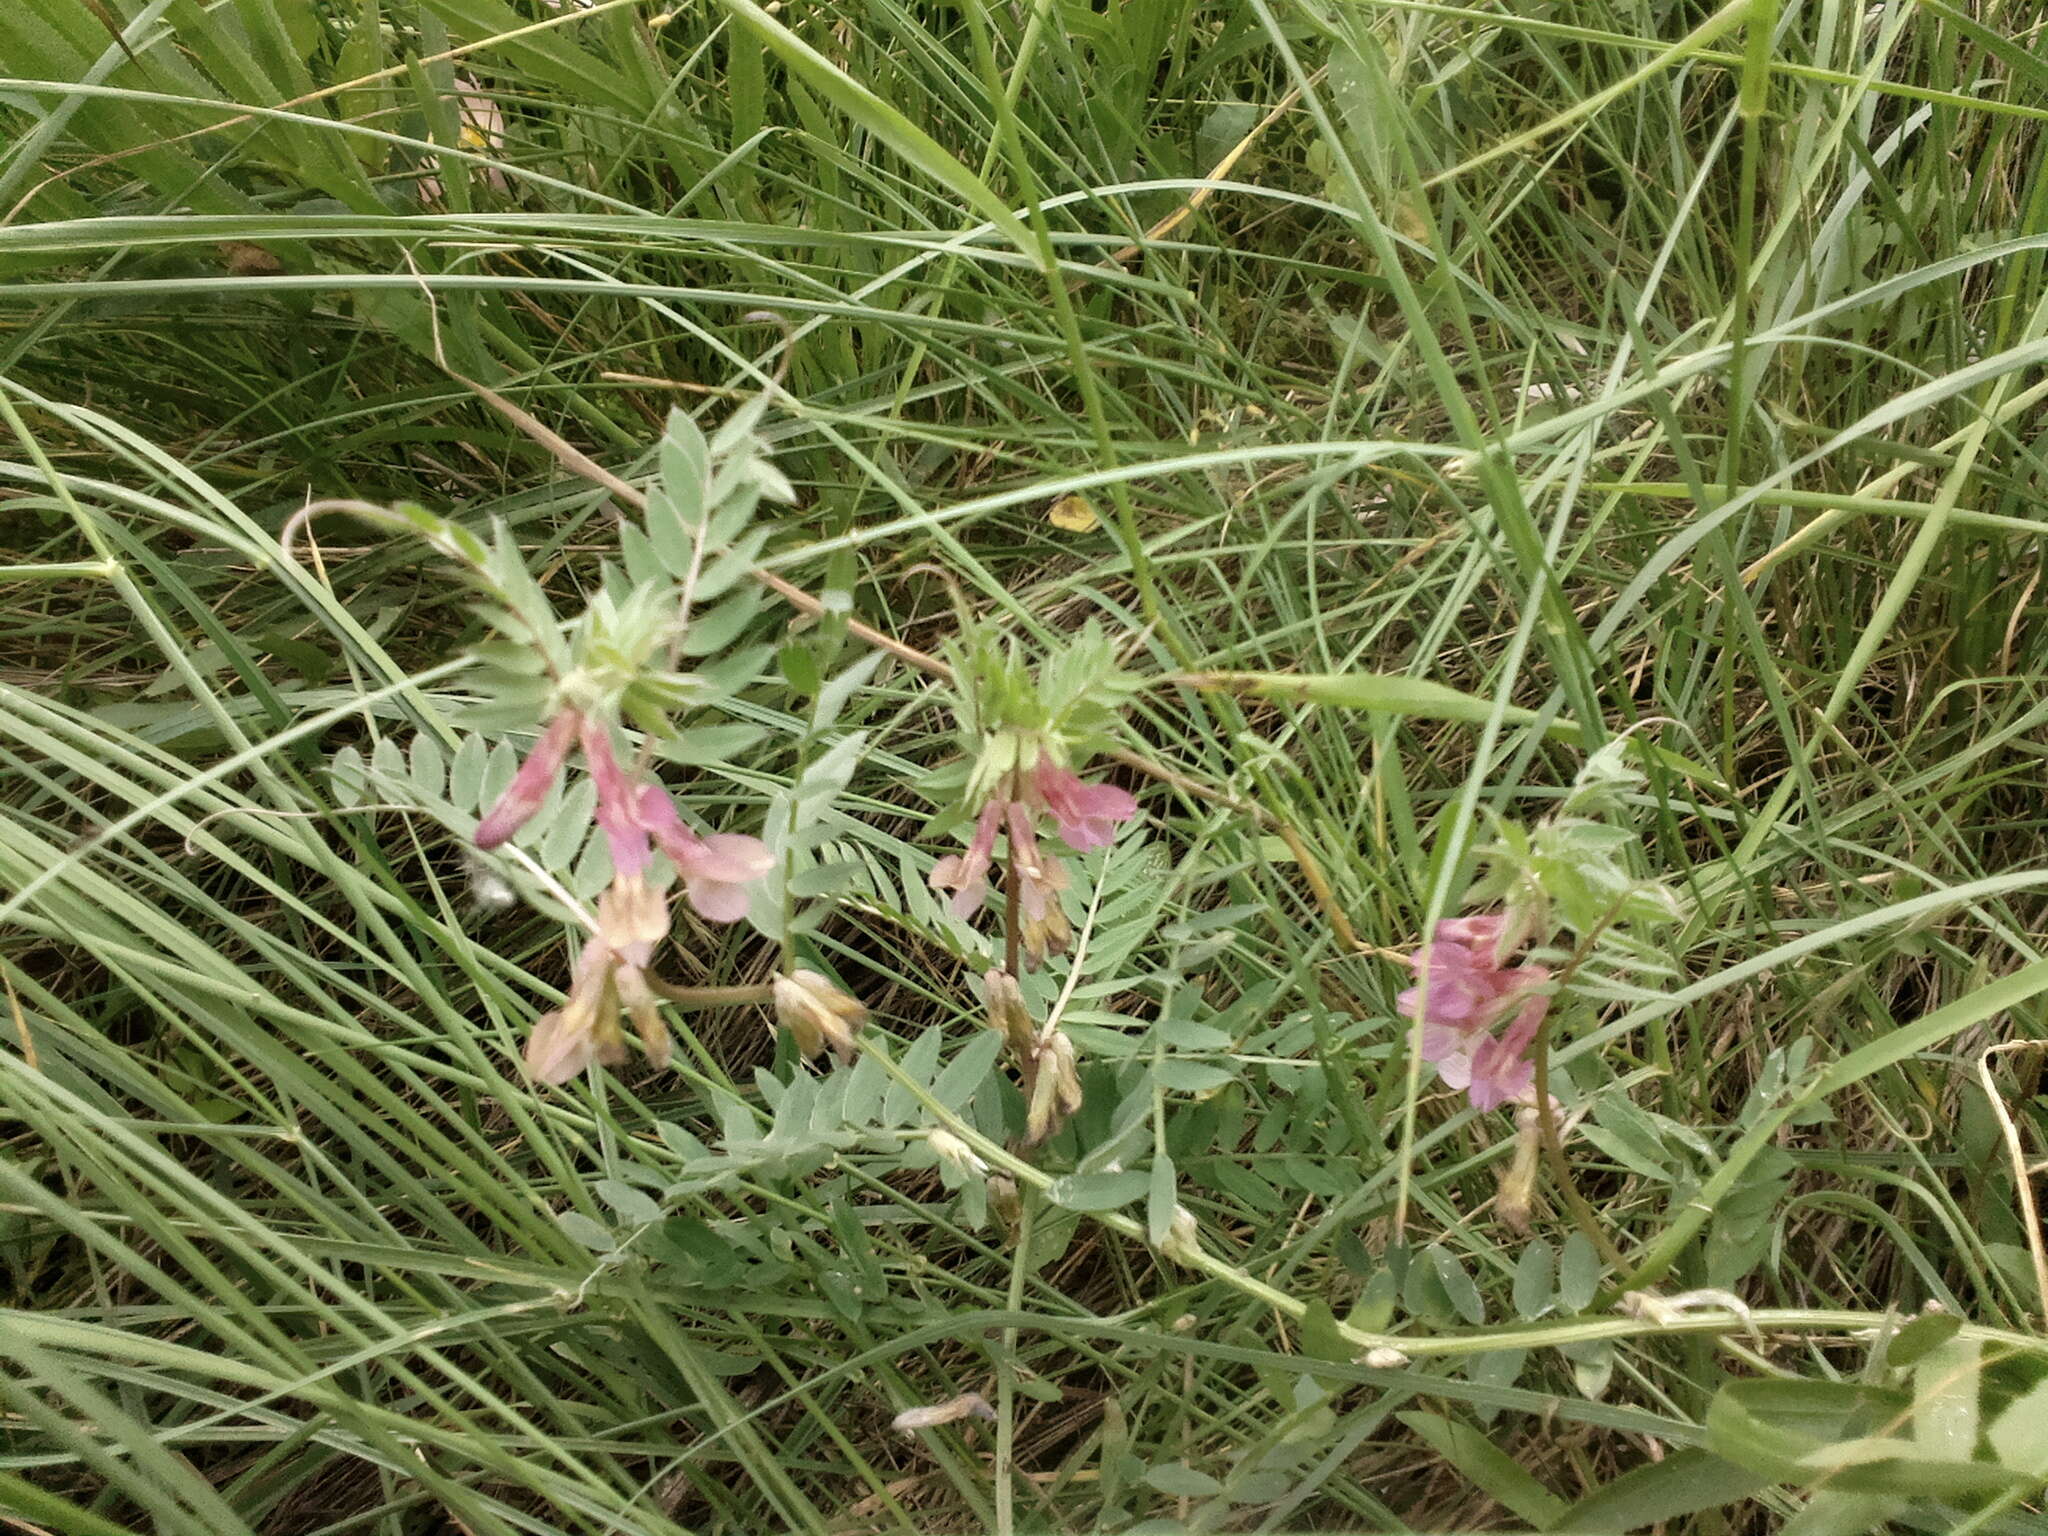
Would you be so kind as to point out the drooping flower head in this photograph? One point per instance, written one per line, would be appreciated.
(817, 1014)
(1022, 730)
(1464, 993)
(718, 871)
(611, 977)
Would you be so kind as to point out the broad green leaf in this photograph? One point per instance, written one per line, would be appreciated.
(1926, 1332)
(1946, 1382)
(1578, 1273)
(1769, 1426)
(1487, 1467)
(585, 1231)
(1099, 1191)
(1683, 1483)
(1457, 1284)
(2019, 1435)
(633, 1206)
(968, 1070)
(1160, 1199)
(1180, 1481)
(1535, 1279)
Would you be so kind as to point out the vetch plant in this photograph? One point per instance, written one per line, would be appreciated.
(616, 674)
(1022, 732)
(1480, 1000)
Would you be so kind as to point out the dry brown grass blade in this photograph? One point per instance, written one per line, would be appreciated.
(21, 1029)
(1217, 172)
(2022, 1174)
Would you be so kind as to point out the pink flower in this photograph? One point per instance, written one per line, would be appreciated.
(1464, 986)
(618, 805)
(966, 875)
(1086, 814)
(1479, 934)
(1467, 994)
(530, 785)
(717, 871)
(1500, 1069)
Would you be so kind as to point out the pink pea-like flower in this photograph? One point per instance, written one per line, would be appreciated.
(1467, 991)
(1501, 1069)
(718, 871)
(966, 875)
(618, 805)
(530, 785)
(1086, 814)
(1464, 984)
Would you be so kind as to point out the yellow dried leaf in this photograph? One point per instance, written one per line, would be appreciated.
(1074, 514)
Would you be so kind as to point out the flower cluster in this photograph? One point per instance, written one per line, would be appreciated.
(717, 871)
(1465, 992)
(1086, 816)
(818, 1016)
(636, 817)
(611, 974)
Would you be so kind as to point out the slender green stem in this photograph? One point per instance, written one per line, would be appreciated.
(1756, 80)
(1006, 1369)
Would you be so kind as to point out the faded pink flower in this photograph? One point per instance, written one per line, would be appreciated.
(1040, 880)
(618, 805)
(966, 875)
(530, 785)
(817, 1014)
(611, 975)
(717, 871)
(1086, 814)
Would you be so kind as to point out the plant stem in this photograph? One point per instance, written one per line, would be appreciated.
(1006, 1371)
(1449, 1346)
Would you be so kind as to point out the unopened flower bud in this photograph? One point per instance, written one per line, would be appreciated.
(956, 1154)
(1052, 1086)
(530, 785)
(1183, 1240)
(817, 1014)
(1007, 1013)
